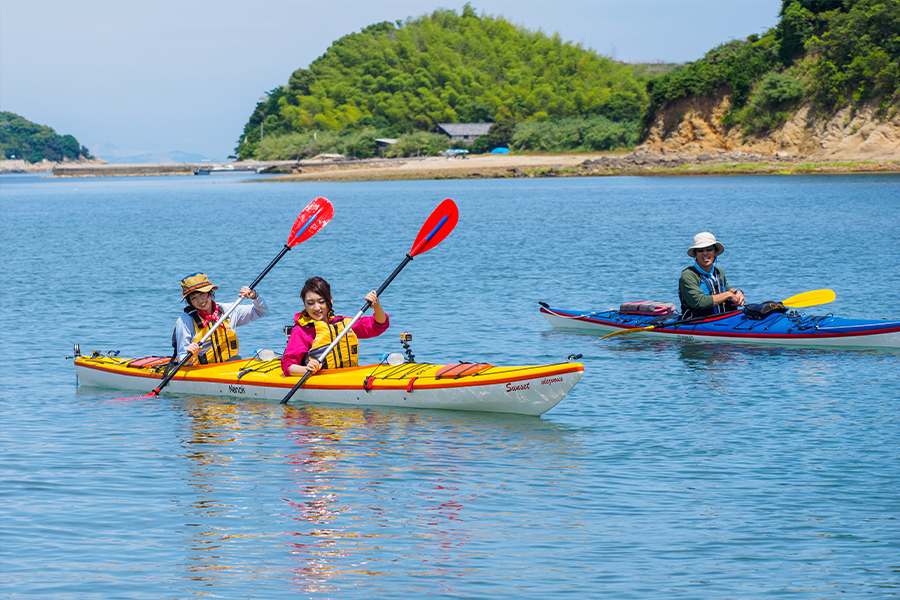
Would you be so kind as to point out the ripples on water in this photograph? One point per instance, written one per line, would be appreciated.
(674, 470)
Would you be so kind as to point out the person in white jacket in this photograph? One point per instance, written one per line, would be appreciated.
(201, 314)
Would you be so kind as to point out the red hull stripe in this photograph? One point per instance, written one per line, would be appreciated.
(383, 384)
(686, 331)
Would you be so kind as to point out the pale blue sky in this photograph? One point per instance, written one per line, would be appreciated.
(185, 75)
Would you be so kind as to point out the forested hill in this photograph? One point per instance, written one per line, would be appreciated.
(22, 139)
(397, 78)
(825, 66)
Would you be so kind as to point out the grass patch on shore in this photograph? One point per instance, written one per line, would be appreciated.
(740, 167)
(716, 169)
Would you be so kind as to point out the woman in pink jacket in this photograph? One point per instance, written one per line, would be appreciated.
(316, 327)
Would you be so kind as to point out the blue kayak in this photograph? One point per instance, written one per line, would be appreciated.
(777, 329)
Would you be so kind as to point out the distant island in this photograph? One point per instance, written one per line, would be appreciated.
(822, 84)
(21, 139)
(398, 81)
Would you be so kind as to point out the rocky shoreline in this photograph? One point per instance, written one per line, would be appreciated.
(725, 163)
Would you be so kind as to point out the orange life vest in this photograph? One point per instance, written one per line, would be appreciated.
(220, 347)
(345, 354)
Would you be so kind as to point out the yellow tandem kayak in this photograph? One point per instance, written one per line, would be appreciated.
(526, 390)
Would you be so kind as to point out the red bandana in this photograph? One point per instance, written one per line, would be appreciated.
(207, 317)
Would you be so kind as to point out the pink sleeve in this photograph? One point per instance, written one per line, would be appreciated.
(297, 346)
(368, 327)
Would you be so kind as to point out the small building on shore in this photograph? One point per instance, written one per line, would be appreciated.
(463, 132)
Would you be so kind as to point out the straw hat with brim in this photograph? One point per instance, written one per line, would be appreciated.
(705, 240)
(198, 282)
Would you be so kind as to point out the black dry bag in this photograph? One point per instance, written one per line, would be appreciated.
(761, 311)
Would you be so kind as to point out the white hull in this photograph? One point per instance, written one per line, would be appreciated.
(525, 397)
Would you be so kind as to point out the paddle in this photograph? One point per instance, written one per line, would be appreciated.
(810, 298)
(438, 226)
(313, 218)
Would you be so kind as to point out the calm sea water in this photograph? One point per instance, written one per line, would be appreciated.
(671, 470)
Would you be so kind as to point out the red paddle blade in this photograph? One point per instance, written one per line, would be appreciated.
(436, 228)
(313, 218)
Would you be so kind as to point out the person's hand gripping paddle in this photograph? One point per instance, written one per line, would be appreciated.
(810, 298)
(438, 226)
(313, 218)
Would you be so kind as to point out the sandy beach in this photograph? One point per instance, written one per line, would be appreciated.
(574, 165)
(438, 167)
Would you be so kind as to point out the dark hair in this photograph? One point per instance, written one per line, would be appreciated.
(318, 286)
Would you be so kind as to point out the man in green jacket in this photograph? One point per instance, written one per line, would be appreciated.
(703, 289)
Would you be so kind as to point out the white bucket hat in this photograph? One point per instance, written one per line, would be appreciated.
(705, 240)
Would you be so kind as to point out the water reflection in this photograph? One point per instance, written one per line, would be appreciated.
(322, 438)
(215, 430)
(351, 465)
(361, 485)
(705, 356)
(719, 368)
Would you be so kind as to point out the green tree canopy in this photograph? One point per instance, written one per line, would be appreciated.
(29, 141)
(835, 52)
(445, 68)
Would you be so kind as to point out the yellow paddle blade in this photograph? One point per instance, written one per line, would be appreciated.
(811, 298)
(623, 331)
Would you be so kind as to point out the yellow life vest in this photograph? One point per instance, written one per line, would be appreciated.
(345, 354)
(220, 347)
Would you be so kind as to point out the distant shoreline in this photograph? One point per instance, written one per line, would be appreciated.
(582, 165)
(19, 166)
(494, 166)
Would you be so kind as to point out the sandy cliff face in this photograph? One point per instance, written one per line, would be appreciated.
(694, 125)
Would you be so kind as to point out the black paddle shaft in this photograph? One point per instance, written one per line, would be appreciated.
(171, 374)
(390, 279)
(365, 307)
(368, 304)
(269, 268)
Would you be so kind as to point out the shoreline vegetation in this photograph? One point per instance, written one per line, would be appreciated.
(29, 143)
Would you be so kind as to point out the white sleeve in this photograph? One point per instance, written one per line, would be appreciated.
(246, 313)
(184, 333)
